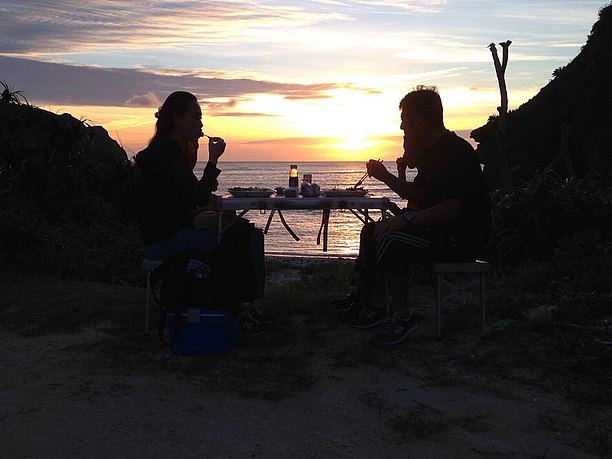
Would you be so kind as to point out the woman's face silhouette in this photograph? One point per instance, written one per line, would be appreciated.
(188, 126)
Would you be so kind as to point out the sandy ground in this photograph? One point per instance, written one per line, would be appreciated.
(319, 391)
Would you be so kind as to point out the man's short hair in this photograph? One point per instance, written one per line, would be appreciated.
(424, 101)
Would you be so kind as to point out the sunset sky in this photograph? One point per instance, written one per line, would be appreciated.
(284, 80)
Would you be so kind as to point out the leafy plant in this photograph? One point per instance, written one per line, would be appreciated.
(529, 220)
(64, 207)
(11, 97)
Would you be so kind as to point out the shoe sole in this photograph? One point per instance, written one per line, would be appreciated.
(403, 336)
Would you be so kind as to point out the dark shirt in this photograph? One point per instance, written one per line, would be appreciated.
(451, 170)
(167, 189)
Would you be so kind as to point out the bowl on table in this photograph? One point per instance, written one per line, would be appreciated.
(345, 193)
(250, 192)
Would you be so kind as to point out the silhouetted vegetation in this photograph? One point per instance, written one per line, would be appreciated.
(9, 96)
(533, 219)
(558, 146)
(573, 112)
(65, 191)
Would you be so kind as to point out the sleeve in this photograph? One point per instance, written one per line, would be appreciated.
(193, 192)
(209, 176)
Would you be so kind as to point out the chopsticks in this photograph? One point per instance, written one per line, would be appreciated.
(360, 181)
(365, 176)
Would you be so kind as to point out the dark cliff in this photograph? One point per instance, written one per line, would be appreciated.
(65, 168)
(572, 112)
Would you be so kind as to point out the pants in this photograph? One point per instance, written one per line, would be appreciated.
(390, 258)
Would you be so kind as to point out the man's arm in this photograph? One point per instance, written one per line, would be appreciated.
(430, 216)
(405, 190)
(434, 215)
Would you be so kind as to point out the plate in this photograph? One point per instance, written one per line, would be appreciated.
(345, 193)
(250, 192)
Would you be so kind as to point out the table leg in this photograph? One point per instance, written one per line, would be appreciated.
(326, 213)
(280, 214)
(356, 214)
(269, 221)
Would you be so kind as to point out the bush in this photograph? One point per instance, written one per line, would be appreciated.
(530, 220)
(65, 199)
(106, 250)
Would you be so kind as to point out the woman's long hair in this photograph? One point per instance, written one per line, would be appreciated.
(176, 103)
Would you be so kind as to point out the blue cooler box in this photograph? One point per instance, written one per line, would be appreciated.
(202, 331)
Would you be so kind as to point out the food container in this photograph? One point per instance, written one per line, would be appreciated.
(291, 192)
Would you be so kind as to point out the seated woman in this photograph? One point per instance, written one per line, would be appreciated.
(168, 192)
(169, 196)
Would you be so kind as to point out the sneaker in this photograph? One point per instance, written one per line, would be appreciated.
(261, 316)
(398, 329)
(252, 327)
(370, 318)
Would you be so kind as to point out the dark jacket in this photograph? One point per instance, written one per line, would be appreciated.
(167, 189)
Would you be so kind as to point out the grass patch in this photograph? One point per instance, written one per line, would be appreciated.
(38, 305)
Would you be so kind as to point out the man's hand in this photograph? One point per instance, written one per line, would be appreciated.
(377, 170)
(388, 225)
(401, 167)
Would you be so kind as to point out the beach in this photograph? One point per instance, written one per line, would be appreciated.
(91, 383)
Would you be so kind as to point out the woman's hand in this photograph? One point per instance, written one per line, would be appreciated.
(216, 147)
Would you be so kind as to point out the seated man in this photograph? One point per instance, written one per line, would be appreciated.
(448, 217)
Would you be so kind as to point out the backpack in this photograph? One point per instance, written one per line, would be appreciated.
(233, 273)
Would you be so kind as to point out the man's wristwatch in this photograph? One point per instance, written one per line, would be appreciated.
(408, 216)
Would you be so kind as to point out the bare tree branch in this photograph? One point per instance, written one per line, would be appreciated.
(500, 69)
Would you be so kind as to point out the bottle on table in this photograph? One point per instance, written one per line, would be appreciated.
(293, 176)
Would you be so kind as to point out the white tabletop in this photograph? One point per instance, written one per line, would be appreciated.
(281, 203)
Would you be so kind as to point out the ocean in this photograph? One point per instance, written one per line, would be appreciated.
(344, 227)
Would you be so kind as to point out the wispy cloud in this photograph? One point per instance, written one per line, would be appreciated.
(297, 39)
(65, 26)
(418, 6)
